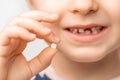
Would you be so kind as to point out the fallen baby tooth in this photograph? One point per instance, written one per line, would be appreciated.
(53, 45)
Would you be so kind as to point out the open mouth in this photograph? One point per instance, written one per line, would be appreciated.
(85, 33)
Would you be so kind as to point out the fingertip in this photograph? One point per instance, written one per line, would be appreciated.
(32, 35)
(55, 16)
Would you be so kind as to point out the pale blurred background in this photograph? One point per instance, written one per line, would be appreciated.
(8, 10)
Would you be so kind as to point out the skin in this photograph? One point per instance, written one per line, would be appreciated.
(96, 60)
(85, 59)
(14, 38)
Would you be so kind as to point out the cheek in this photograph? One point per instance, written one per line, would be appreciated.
(112, 8)
(54, 6)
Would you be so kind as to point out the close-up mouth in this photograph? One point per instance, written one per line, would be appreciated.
(86, 33)
(86, 30)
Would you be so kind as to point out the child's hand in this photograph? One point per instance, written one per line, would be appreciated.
(13, 40)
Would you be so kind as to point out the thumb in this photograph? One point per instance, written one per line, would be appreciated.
(42, 61)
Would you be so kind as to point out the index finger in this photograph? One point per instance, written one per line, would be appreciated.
(41, 16)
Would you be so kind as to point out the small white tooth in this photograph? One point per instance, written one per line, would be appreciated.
(81, 31)
(74, 31)
(94, 32)
(93, 29)
(87, 32)
(53, 45)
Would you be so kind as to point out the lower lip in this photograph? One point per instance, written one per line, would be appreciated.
(86, 38)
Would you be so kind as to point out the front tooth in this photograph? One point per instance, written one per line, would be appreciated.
(94, 30)
(81, 31)
(74, 31)
(87, 32)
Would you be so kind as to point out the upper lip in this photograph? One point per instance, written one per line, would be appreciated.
(85, 26)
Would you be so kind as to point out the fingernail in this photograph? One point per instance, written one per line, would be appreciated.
(53, 45)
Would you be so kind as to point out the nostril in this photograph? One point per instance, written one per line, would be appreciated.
(84, 7)
(91, 11)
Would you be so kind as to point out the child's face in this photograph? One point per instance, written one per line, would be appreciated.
(88, 29)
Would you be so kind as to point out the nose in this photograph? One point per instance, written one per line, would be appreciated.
(83, 7)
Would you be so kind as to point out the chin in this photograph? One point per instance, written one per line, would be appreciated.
(85, 54)
(88, 57)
